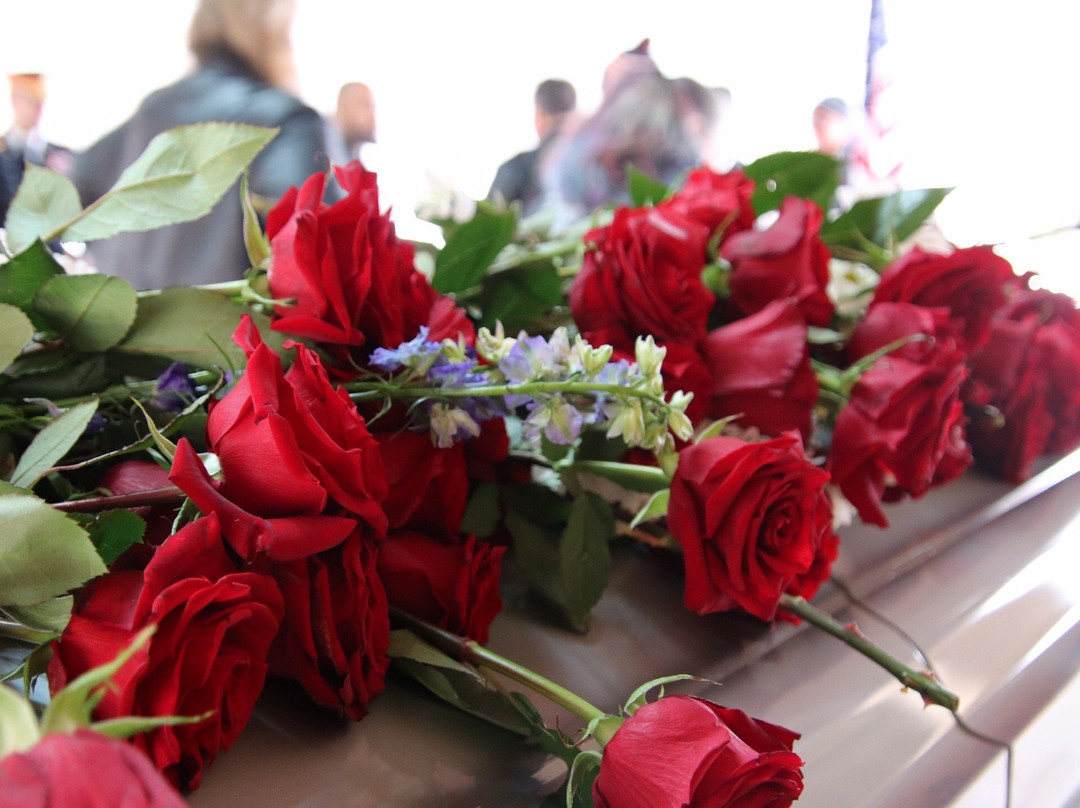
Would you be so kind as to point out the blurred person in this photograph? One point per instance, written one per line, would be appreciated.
(833, 130)
(353, 123)
(244, 74)
(518, 179)
(24, 142)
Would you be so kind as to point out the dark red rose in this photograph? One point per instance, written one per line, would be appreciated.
(353, 282)
(336, 630)
(902, 430)
(759, 367)
(684, 752)
(969, 282)
(428, 485)
(752, 520)
(214, 625)
(642, 275)
(1029, 371)
(485, 453)
(83, 770)
(452, 584)
(885, 324)
(787, 259)
(721, 202)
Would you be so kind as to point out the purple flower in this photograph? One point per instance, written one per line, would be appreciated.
(174, 389)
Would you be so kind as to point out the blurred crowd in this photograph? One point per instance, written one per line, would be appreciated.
(245, 72)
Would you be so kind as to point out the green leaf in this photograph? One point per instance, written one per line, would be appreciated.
(482, 514)
(18, 724)
(43, 554)
(193, 326)
(645, 190)
(583, 771)
(516, 297)
(113, 532)
(454, 682)
(53, 442)
(56, 375)
(631, 476)
(22, 276)
(639, 697)
(44, 202)
(91, 313)
(655, 508)
(258, 247)
(16, 331)
(584, 557)
(50, 615)
(180, 177)
(471, 250)
(809, 175)
(883, 221)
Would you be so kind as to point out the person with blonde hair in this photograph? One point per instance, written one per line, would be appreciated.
(245, 73)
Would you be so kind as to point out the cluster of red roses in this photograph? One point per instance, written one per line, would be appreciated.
(894, 408)
(318, 524)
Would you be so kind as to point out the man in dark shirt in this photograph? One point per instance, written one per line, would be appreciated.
(518, 178)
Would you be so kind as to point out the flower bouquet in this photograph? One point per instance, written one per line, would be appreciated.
(328, 471)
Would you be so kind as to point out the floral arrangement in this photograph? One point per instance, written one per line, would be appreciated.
(319, 472)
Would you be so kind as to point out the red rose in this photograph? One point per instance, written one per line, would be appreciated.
(721, 202)
(759, 368)
(1029, 370)
(752, 520)
(139, 476)
(888, 323)
(336, 630)
(428, 485)
(786, 260)
(214, 624)
(903, 429)
(684, 752)
(970, 283)
(452, 584)
(83, 770)
(642, 275)
(353, 282)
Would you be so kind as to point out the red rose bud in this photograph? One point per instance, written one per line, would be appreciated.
(214, 625)
(684, 752)
(721, 202)
(642, 275)
(451, 584)
(970, 283)
(760, 370)
(787, 259)
(353, 282)
(754, 521)
(83, 770)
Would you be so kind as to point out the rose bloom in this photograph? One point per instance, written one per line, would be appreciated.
(642, 275)
(969, 282)
(83, 770)
(902, 431)
(290, 445)
(685, 752)
(759, 368)
(753, 521)
(721, 202)
(1029, 370)
(335, 632)
(215, 625)
(353, 282)
(428, 486)
(788, 259)
(453, 584)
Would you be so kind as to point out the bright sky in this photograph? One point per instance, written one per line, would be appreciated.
(983, 91)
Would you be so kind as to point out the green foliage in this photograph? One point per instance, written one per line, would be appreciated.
(113, 532)
(91, 313)
(583, 772)
(645, 190)
(655, 508)
(49, 616)
(16, 331)
(179, 177)
(518, 296)
(883, 221)
(255, 241)
(43, 554)
(471, 250)
(809, 175)
(18, 724)
(53, 442)
(22, 276)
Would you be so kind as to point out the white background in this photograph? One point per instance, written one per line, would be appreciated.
(988, 96)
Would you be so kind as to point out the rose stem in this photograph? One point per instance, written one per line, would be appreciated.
(470, 651)
(930, 690)
(169, 495)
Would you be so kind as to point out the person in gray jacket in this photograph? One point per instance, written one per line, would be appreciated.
(245, 74)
